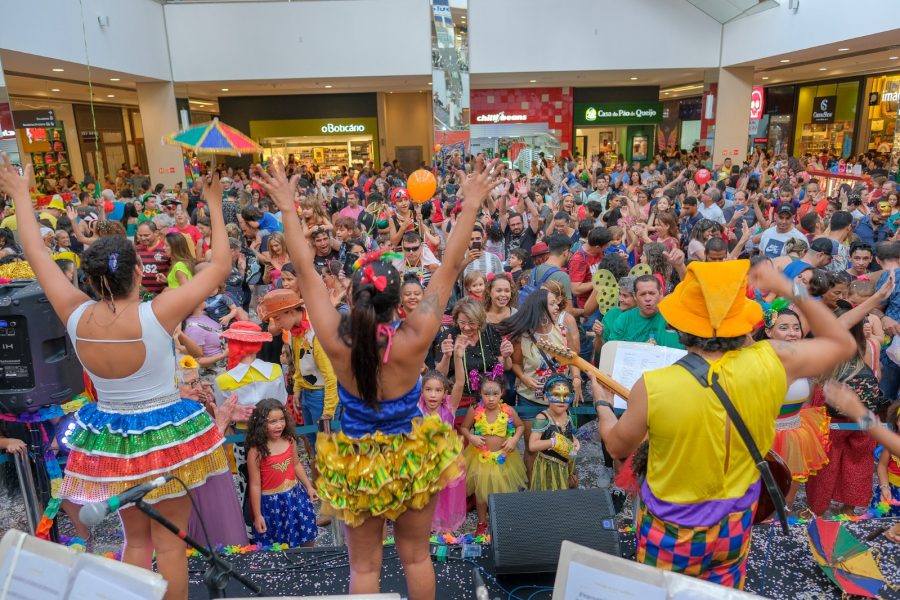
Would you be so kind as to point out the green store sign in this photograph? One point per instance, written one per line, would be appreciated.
(617, 113)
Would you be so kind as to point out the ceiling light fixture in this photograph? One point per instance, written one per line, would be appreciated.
(114, 79)
(224, 89)
(785, 60)
(843, 49)
(823, 69)
(55, 90)
(532, 81)
(765, 77)
(328, 87)
(429, 83)
(110, 95)
(58, 70)
(893, 57)
(634, 78)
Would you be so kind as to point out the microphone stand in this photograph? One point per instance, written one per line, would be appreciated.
(219, 571)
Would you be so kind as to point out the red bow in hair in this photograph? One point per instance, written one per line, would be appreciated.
(380, 282)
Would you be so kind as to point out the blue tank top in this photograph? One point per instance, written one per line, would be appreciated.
(391, 417)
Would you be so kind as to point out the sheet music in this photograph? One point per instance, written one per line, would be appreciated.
(35, 577)
(633, 359)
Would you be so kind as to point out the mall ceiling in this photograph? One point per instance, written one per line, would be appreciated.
(33, 79)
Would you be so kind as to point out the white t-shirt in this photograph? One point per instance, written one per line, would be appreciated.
(772, 243)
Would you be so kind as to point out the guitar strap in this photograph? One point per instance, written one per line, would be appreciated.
(698, 367)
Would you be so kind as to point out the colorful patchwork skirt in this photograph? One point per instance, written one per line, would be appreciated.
(384, 475)
(116, 446)
(717, 553)
(290, 518)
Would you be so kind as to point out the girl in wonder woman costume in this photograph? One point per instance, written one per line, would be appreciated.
(140, 427)
(387, 462)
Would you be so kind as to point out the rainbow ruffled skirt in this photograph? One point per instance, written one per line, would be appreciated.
(112, 451)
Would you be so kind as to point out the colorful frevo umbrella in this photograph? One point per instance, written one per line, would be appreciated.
(214, 137)
(848, 562)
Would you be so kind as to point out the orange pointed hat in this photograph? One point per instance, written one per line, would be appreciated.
(712, 301)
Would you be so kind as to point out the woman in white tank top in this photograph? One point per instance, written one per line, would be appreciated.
(139, 428)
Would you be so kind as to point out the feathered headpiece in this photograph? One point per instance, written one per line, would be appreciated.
(369, 257)
(771, 311)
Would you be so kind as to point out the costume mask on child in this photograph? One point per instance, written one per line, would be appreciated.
(559, 390)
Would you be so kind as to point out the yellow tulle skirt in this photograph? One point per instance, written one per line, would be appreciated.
(486, 477)
(381, 475)
(804, 447)
(550, 473)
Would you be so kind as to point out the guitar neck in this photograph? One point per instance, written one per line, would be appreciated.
(602, 378)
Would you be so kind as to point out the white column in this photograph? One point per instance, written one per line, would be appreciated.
(159, 116)
(732, 114)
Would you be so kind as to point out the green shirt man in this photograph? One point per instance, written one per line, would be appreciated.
(642, 323)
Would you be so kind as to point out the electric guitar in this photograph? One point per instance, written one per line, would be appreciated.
(566, 356)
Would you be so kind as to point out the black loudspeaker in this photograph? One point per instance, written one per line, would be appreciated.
(527, 528)
(38, 366)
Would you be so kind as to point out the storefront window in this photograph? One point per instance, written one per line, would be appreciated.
(879, 125)
(323, 145)
(826, 115)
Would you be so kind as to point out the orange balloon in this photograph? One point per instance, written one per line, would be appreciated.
(437, 148)
(421, 186)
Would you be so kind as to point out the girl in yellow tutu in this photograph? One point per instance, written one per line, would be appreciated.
(493, 464)
(553, 438)
(801, 431)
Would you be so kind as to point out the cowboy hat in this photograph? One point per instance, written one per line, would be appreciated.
(245, 331)
(275, 302)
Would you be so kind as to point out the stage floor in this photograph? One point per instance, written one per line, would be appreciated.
(779, 567)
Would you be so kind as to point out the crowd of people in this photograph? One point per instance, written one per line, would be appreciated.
(414, 336)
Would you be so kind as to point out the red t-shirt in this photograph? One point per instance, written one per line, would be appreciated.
(190, 231)
(580, 272)
(153, 261)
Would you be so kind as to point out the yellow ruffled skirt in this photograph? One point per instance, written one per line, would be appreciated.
(381, 475)
(485, 477)
(804, 447)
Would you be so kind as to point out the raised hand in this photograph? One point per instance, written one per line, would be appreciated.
(15, 185)
(478, 185)
(277, 185)
(212, 189)
(765, 277)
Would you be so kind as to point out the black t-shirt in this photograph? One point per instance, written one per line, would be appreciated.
(524, 240)
(482, 356)
(321, 261)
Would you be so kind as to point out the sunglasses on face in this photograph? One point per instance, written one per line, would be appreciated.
(411, 248)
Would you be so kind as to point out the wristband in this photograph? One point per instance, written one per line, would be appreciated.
(602, 403)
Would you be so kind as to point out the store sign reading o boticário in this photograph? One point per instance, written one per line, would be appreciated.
(338, 128)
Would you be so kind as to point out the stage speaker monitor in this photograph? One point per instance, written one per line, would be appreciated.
(528, 528)
(38, 366)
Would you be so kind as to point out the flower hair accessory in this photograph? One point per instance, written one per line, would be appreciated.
(474, 379)
(113, 262)
(370, 257)
(379, 281)
(188, 362)
(771, 312)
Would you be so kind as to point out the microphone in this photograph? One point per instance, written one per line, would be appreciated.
(481, 591)
(91, 514)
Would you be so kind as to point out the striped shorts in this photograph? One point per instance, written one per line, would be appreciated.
(717, 553)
